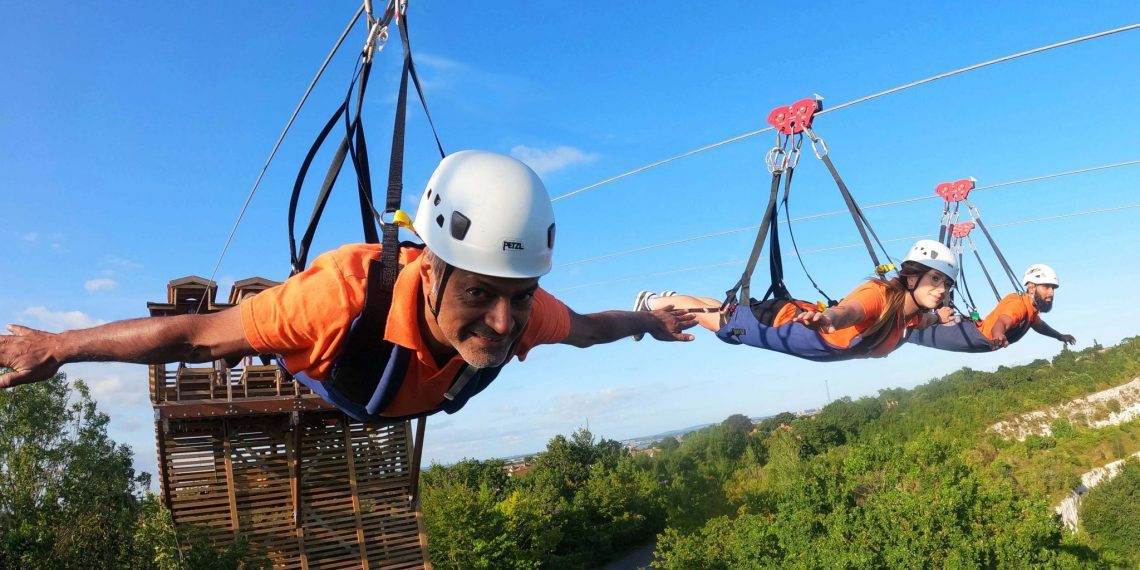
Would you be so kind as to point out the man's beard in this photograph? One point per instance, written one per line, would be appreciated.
(1043, 306)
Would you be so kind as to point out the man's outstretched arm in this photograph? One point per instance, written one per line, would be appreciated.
(36, 355)
(1042, 327)
(665, 323)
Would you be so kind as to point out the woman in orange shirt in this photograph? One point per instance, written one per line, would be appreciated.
(868, 322)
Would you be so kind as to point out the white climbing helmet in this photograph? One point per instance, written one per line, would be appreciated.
(1040, 274)
(487, 213)
(935, 255)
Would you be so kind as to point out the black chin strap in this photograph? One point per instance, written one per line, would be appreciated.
(439, 288)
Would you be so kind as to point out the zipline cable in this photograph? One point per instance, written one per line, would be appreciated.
(854, 102)
(837, 212)
(277, 145)
(840, 247)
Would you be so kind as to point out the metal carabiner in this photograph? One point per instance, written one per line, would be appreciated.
(794, 151)
(821, 150)
(775, 160)
(377, 38)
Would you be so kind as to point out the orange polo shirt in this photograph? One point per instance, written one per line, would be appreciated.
(1019, 308)
(872, 297)
(306, 320)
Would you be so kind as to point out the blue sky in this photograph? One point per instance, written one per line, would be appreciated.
(131, 137)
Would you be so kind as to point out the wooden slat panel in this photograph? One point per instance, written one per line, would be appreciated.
(205, 482)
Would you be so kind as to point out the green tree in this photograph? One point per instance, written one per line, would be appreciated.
(70, 497)
(739, 422)
(1110, 513)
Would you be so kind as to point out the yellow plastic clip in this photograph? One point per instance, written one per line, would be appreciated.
(885, 268)
(401, 218)
(821, 306)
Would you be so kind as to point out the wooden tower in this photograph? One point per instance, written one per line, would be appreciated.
(243, 449)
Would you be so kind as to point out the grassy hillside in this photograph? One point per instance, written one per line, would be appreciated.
(910, 478)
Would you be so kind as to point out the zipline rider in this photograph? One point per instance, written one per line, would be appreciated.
(1019, 312)
(463, 304)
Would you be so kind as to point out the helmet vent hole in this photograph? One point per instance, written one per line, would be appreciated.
(459, 226)
(439, 220)
(429, 193)
(436, 201)
(550, 236)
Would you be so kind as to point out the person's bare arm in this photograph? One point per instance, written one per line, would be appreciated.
(838, 317)
(34, 355)
(665, 324)
(1043, 328)
(997, 334)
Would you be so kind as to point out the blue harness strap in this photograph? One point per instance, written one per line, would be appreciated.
(964, 336)
(792, 338)
(368, 374)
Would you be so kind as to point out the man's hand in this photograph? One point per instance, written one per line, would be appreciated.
(816, 321)
(28, 353)
(998, 341)
(1067, 339)
(670, 323)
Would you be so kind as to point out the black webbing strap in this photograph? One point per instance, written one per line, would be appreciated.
(354, 145)
(788, 216)
(985, 270)
(943, 222)
(861, 222)
(949, 218)
(778, 289)
(962, 285)
(299, 255)
(743, 286)
(395, 192)
(977, 217)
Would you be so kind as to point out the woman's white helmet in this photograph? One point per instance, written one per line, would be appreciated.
(487, 213)
(1040, 274)
(934, 255)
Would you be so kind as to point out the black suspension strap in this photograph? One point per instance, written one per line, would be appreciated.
(354, 145)
(985, 270)
(795, 247)
(775, 260)
(963, 286)
(299, 255)
(977, 218)
(861, 223)
(743, 286)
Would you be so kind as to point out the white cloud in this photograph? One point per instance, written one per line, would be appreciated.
(101, 284)
(437, 62)
(110, 389)
(30, 236)
(122, 263)
(580, 405)
(56, 321)
(546, 161)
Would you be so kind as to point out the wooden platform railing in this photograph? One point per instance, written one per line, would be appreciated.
(196, 383)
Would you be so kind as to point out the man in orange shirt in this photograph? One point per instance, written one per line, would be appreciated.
(459, 310)
(1017, 313)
